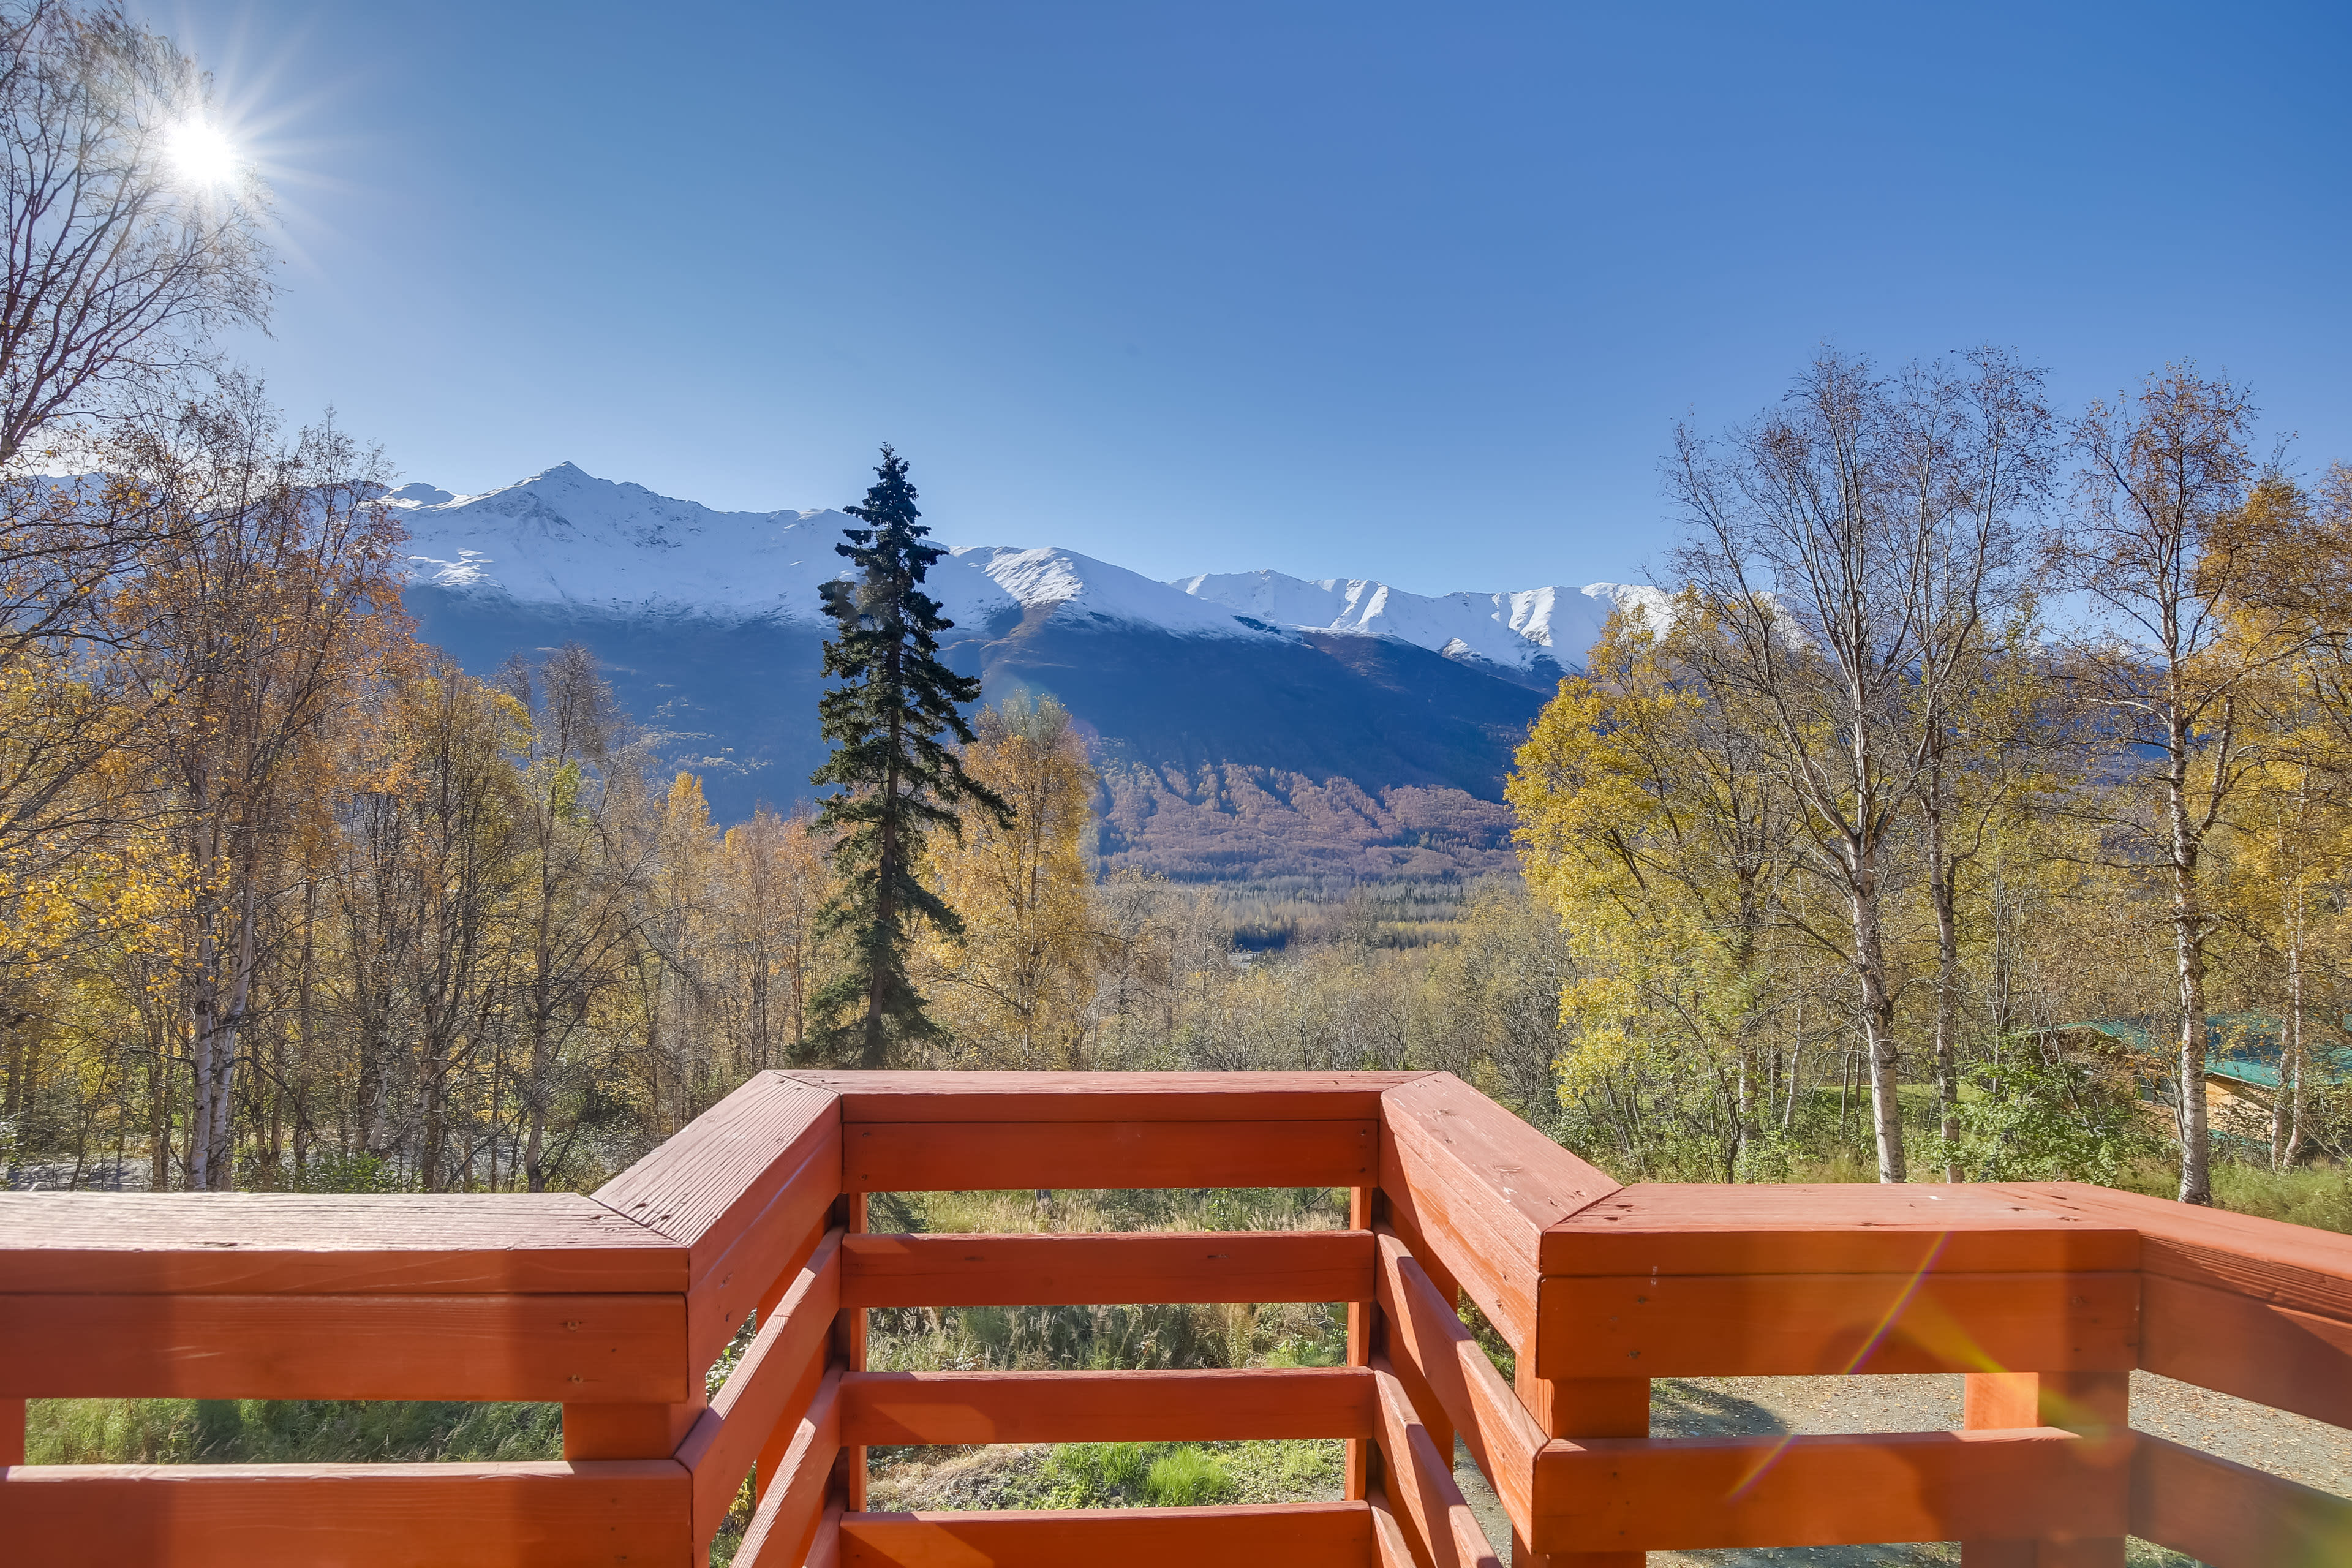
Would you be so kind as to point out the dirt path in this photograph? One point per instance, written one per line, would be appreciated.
(2301, 1450)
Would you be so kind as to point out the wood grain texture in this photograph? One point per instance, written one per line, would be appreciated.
(825, 1550)
(935, 1156)
(357, 1516)
(2290, 1265)
(794, 1508)
(248, 1244)
(1364, 1206)
(2096, 1404)
(706, 1184)
(1100, 1270)
(1479, 1406)
(1834, 1229)
(628, 1431)
(769, 1388)
(2238, 1345)
(908, 1407)
(1297, 1535)
(1390, 1548)
(2232, 1516)
(1798, 1325)
(1418, 1478)
(560, 1349)
(762, 1261)
(1107, 1096)
(1478, 1187)
(1689, 1493)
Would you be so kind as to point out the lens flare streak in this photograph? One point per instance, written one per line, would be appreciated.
(1869, 1347)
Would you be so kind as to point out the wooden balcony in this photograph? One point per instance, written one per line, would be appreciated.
(2046, 1297)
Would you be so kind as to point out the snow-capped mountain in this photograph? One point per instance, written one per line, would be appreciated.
(1523, 630)
(1243, 723)
(565, 540)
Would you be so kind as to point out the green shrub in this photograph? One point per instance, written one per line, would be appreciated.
(1187, 1479)
(279, 1431)
(1098, 1475)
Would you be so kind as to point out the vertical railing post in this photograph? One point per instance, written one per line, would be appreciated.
(849, 1351)
(2096, 1404)
(1359, 1481)
(627, 1431)
(12, 1431)
(634, 1432)
(1575, 1407)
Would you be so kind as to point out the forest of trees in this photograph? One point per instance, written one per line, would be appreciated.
(1970, 729)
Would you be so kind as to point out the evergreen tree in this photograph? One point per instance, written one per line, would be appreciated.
(898, 782)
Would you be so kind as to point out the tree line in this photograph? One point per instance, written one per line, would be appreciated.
(1977, 748)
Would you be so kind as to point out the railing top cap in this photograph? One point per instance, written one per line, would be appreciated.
(1105, 1096)
(404, 1243)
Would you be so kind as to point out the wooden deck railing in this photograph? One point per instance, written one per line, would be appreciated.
(616, 1305)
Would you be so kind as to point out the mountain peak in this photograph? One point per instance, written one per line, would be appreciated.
(565, 539)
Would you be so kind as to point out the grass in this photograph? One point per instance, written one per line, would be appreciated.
(1119, 1337)
(1107, 1475)
(277, 1431)
(1115, 1337)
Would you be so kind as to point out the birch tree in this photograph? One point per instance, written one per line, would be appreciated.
(1847, 545)
(256, 616)
(2164, 472)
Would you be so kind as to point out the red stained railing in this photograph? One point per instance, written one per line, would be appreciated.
(2047, 1296)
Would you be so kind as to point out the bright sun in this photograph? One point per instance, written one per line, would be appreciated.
(202, 154)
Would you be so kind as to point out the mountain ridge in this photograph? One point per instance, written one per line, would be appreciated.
(1243, 723)
(565, 539)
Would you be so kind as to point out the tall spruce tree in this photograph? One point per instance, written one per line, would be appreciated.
(898, 782)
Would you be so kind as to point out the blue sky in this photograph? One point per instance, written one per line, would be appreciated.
(1405, 291)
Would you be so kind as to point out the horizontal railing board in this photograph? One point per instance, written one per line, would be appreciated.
(1478, 1187)
(566, 1349)
(769, 1387)
(416, 1244)
(1390, 1548)
(822, 1549)
(779, 1240)
(1417, 1482)
(792, 1507)
(1832, 1228)
(1502, 1437)
(2293, 1266)
(936, 1156)
(1297, 1535)
(2236, 1344)
(2229, 1515)
(1805, 1325)
(892, 1408)
(1692, 1493)
(1107, 1096)
(355, 1516)
(883, 1271)
(708, 1183)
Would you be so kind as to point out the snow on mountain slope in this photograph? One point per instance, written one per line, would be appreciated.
(1516, 629)
(1084, 589)
(566, 541)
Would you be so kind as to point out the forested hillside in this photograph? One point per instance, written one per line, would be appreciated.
(295, 901)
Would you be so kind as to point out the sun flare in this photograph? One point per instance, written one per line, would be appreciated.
(202, 154)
